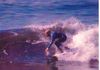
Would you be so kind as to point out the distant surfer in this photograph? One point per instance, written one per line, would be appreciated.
(57, 38)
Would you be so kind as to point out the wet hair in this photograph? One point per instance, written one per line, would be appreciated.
(48, 32)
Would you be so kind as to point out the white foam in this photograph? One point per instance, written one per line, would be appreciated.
(82, 36)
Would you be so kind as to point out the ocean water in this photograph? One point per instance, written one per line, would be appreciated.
(78, 18)
(28, 44)
(20, 13)
(28, 19)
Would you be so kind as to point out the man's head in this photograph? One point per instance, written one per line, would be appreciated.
(48, 32)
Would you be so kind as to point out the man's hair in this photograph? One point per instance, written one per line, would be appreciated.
(48, 32)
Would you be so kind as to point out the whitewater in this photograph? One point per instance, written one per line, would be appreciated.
(82, 39)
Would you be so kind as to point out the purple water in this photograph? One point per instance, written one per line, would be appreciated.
(22, 39)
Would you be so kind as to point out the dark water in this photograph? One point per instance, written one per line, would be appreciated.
(15, 48)
(19, 13)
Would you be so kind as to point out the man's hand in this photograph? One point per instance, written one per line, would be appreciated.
(46, 51)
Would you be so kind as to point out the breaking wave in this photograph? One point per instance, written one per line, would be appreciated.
(82, 39)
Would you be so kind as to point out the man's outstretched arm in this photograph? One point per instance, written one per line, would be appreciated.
(46, 50)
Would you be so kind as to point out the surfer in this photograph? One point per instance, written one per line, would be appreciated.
(57, 37)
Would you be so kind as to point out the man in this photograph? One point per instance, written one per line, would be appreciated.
(57, 38)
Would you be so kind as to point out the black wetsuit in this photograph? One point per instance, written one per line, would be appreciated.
(57, 38)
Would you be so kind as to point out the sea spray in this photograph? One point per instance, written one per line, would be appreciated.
(81, 36)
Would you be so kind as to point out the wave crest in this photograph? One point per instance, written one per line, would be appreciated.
(82, 36)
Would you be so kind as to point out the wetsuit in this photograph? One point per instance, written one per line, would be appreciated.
(57, 38)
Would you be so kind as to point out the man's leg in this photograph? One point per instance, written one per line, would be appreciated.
(58, 44)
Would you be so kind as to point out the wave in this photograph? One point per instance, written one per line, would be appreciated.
(82, 38)
(31, 41)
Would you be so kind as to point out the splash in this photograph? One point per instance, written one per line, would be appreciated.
(81, 37)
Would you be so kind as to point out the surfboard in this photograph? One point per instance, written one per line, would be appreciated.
(51, 62)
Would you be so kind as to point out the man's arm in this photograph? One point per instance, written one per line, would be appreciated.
(46, 50)
(52, 39)
(50, 44)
